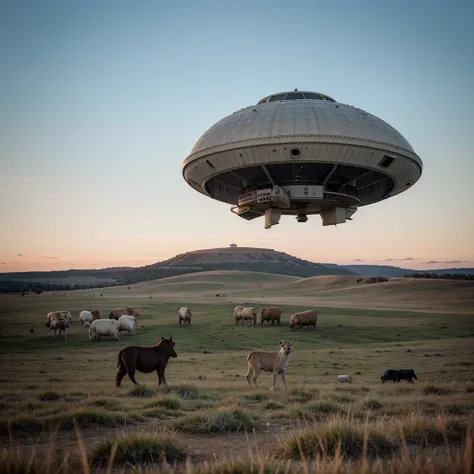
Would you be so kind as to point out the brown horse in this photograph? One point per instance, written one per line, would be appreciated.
(146, 360)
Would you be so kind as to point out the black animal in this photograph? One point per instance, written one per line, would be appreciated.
(406, 374)
(390, 374)
(145, 359)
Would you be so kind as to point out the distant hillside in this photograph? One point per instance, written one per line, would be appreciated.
(386, 271)
(208, 283)
(228, 258)
(447, 271)
(389, 271)
(432, 295)
(235, 258)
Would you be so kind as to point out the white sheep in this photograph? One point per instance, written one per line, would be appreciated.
(127, 323)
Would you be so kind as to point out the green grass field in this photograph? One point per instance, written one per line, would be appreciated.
(48, 386)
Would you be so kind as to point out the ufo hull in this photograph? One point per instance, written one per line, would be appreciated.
(320, 154)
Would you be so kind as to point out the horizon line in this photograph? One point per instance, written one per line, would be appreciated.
(354, 262)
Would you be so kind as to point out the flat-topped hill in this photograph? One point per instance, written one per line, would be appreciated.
(233, 258)
(250, 259)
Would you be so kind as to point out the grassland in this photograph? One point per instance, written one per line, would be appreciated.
(207, 413)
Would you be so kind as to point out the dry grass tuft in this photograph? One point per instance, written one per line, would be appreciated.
(424, 431)
(352, 389)
(372, 404)
(184, 391)
(142, 391)
(137, 449)
(169, 402)
(274, 405)
(314, 410)
(302, 395)
(89, 417)
(220, 420)
(243, 466)
(50, 397)
(338, 434)
(21, 423)
(259, 396)
(433, 390)
(161, 413)
(17, 460)
(105, 403)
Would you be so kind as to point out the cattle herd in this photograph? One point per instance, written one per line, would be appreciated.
(155, 358)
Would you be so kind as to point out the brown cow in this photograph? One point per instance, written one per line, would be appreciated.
(271, 314)
(117, 312)
(145, 359)
(307, 318)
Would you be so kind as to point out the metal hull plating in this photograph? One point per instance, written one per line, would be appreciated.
(354, 156)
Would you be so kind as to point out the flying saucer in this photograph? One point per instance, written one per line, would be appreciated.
(301, 153)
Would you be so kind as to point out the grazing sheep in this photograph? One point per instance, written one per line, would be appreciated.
(271, 314)
(85, 316)
(238, 314)
(185, 315)
(117, 312)
(127, 323)
(307, 318)
(249, 314)
(344, 378)
(104, 327)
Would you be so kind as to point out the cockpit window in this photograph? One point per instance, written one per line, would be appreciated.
(314, 96)
(295, 96)
(276, 98)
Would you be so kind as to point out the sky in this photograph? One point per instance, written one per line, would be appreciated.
(100, 103)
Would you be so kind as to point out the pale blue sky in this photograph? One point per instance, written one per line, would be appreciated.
(100, 102)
